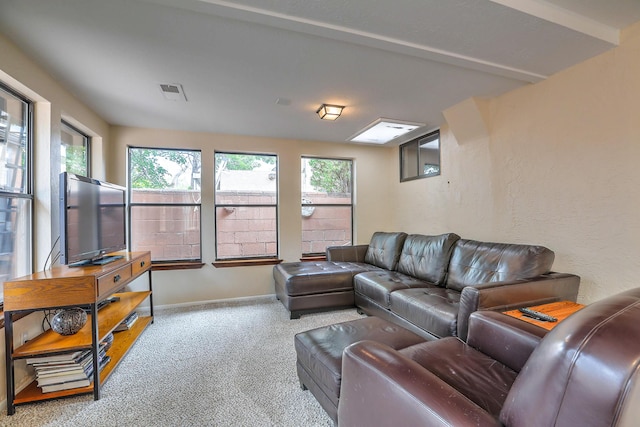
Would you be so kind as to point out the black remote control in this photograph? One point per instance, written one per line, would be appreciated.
(537, 315)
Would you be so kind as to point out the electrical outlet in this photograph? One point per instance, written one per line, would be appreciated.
(24, 338)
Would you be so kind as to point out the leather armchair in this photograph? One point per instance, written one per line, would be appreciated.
(586, 371)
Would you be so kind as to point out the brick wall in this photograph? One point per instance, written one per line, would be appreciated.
(172, 232)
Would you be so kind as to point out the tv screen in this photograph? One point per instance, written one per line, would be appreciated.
(92, 220)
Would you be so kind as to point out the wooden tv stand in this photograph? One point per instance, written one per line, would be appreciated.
(64, 287)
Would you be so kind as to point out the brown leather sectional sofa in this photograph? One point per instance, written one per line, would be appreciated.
(427, 284)
(584, 372)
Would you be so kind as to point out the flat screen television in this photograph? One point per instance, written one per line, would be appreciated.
(92, 220)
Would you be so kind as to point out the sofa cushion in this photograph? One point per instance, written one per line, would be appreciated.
(310, 278)
(427, 257)
(384, 249)
(433, 309)
(474, 263)
(480, 378)
(377, 285)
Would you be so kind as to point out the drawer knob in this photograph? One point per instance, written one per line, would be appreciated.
(116, 278)
(142, 263)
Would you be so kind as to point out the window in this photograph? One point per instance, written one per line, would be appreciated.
(246, 206)
(16, 194)
(420, 157)
(164, 202)
(327, 204)
(74, 150)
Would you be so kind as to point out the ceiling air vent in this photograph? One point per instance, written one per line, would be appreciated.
(172, 92)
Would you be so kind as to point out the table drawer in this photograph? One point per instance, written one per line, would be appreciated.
(113, 281)
(141, 264)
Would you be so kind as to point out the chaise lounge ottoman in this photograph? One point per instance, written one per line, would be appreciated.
(319, 354)
(306, 287)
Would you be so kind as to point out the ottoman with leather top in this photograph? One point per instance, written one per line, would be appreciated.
(319, 354)
(308, 287)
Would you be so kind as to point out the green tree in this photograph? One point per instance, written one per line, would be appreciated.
(76, 159)
(145, 170)
(241, 162)
(331, 176)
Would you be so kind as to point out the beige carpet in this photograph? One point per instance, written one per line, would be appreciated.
(213, 365)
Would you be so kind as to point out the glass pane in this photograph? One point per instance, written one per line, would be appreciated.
(430, 155)
(15, 237)
(13, 142)
(326, 181)
(73, 151)
(164, 176)
(246, 231)
(409, 160)
(325, 226)
(249, 179)
(171, 233)
(165, 196)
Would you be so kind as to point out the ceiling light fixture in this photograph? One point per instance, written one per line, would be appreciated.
(329, 112)
(382, 131)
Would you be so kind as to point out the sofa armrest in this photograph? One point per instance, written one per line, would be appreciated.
(354, 253)
(506, 339)
(381, 387)
(503, 296)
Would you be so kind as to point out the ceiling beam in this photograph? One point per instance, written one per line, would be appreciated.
(270, 18)
(566, 18)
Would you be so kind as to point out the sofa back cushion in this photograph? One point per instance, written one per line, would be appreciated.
(384, 249)
(473, 263)
(427, 257)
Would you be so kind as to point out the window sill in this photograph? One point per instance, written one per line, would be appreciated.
(246, 262)
(176, 266)
(313, 258)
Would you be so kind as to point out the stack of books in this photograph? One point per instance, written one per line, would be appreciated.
(126, 324)
(66, 371)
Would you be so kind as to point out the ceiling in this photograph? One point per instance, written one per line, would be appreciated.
(398, 59)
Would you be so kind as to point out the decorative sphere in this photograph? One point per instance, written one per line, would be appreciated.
(69, 321)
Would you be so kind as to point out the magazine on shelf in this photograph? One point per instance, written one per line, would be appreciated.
(126, 324)
(74, 372)
(66, 386)
(77, 364)
(57, 358)
(74, 376)
(68, 383)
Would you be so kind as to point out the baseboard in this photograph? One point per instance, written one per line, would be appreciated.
(216, 302)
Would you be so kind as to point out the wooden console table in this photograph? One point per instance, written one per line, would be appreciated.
(560, 310)
(64, 287)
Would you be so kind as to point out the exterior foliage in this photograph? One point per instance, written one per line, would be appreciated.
(331, 176)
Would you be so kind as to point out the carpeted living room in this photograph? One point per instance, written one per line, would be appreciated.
(213, 365)
(295, 213)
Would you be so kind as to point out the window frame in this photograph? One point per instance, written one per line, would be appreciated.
(415, 143)
(173, 263)
(246, 260)
(28, 193)
(351, 204)
(87, 139)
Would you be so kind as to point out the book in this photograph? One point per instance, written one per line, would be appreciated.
(66, 385)
(73, 376)
(127, 323)
(57, 358)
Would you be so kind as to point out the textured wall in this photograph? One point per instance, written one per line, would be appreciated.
(558, 167)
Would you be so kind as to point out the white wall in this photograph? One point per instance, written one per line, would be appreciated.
(372, 208)
(558, 165)
(52, 102)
